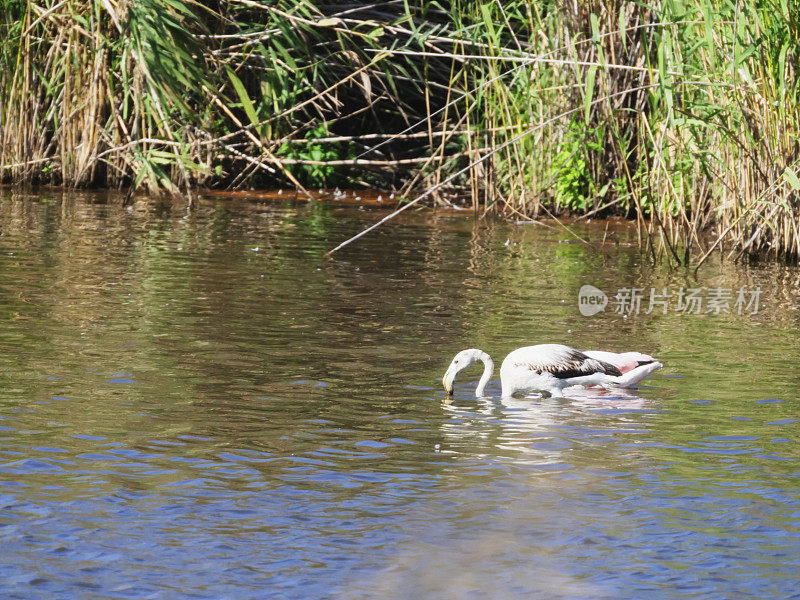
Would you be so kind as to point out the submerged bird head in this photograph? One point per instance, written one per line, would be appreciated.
(460, 361)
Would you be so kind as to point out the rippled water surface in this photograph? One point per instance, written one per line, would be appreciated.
(197, 404)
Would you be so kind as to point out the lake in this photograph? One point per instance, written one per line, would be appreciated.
(198, 404)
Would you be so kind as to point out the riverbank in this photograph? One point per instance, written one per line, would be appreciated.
(680, 115)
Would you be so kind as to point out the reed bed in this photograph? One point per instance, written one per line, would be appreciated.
(684, 115)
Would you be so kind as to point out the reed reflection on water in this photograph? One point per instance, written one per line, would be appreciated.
(197, 404)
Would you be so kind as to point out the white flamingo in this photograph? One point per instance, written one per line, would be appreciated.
(550, 368)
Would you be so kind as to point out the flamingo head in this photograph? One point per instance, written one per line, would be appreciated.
(460, 361)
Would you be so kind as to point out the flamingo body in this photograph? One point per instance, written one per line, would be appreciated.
(550, 368)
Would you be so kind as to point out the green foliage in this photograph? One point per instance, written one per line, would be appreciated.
(161, 36)
(574, 183)
(312, 156)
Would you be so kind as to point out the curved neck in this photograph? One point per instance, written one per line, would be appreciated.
(488, 370)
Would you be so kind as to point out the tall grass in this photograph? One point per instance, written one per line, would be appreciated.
(682, 114)
(171, 93)
(85, 96)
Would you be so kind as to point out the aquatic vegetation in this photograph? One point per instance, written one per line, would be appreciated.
(683, 115)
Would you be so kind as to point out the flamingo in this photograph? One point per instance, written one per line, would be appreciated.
(549, 368)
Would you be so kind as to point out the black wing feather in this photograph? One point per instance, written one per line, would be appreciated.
(574, 364)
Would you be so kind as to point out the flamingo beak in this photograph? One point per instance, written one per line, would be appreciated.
(447, 380)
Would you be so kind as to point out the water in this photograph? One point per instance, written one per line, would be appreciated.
(199, 405)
